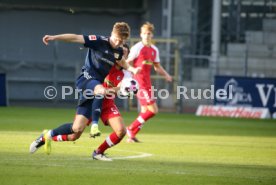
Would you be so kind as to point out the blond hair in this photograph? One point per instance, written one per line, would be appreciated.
(147, 26)
(122, 29)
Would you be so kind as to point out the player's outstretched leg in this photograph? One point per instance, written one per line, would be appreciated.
(109, 142)
(36, 144)
(48, 140)
(112, 140)
(47, 136)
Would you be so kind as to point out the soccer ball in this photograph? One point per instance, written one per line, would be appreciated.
(129, 86)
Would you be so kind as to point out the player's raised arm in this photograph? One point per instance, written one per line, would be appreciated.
(64, 37)
(128, 67)
(129, 61)
(127, 64)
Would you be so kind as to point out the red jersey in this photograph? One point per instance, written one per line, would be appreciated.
(144, 57)
(114, 77)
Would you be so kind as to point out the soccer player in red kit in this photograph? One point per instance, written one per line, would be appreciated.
(111, 116)
(145, 55)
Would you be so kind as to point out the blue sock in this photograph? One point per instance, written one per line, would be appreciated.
(97, 108)
(64, 129)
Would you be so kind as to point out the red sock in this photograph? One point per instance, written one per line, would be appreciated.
(110, 141)
(135, 131)
(135, 124)
(60, 138)
(138, 123)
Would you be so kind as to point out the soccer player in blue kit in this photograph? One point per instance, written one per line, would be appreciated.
(103, 53)
(110, 116)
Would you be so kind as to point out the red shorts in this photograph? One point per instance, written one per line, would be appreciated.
(108, 112)
(146, 96)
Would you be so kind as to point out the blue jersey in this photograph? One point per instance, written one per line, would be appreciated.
(100, 57)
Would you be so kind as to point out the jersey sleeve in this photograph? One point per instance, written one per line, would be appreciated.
(134, 52)
(91, 41)
(157, 57)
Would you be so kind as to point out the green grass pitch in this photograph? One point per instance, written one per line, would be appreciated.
(175, 150)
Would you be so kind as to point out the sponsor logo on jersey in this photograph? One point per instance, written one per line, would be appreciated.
(92, 37)
(147, 62)
(109, 83)
(116, 55)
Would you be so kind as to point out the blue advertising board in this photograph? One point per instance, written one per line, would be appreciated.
(3, 98)
(247, 91)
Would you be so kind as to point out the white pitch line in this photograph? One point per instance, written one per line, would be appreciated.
(142, 155)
